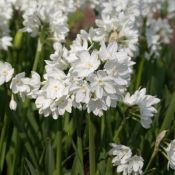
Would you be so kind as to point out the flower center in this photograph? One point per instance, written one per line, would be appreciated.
(4, 73)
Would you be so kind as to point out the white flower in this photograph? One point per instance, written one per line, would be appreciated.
(96, 106)
(6, 72)
(102, 84)
(53, 13)
(133, 166)
(34, 84)
(171, 8)
(13, 104)
(54, 88)
(170, 150)
(43, 105)
(158, 32)
(125, 162)
(5, 42)
(109, 52)
(145, 103)
(60, 106)
(121, 154)
(86, 64)
(81, 91)
(118, 29)
(18, 86)
(5, 16)
(94, 80)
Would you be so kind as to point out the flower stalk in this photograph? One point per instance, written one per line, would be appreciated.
(38, 55)
(79, 140)
(91, 145)
(59, 148)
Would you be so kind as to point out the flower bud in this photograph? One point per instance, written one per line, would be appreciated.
(13, 104)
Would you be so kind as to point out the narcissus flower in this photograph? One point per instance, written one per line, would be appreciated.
(6, 72)
(145, 104)
(125, 162)
(121, 154)
(170, 150)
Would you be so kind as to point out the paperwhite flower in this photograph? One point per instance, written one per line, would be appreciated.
(5, 16)
(43, 104)
(125, 162)
(170, 150)
(81, 91)
(158, 32)
(121, 154)
(6, 72)
(54, 88)
(149, 7)
(18, 86)
(134, 166)
(171, 8)
(145, 104)
(96, 106)
(117, 23)
(86, 64)
(60, 106)
(5, 42)
(54, 14)
(33, 83)
(26, 86)
(102, 84)
(108, 52)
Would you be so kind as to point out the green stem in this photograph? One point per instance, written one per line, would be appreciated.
(150, 161)
(79, 140)
(59, 147)
(156, 147)
(117, 133)
(139, 74)
(91, 145)
(38, 55)
(169, 114)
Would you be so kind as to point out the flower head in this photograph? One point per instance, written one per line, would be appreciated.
(170, 150)
(145, 104)
(125, 162)
(6, 72)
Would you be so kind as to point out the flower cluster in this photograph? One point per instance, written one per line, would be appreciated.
(26, 86)
(125, 162)
(158, 32)
(170, 150)
(48, 13)
(83, 78)
(158, 29)
(117, 23)
(145, 104)
(5, 15)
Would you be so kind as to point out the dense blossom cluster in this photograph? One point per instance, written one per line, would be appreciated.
(158, 32)
(85, 79)
(125, 162)
(5, 16)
